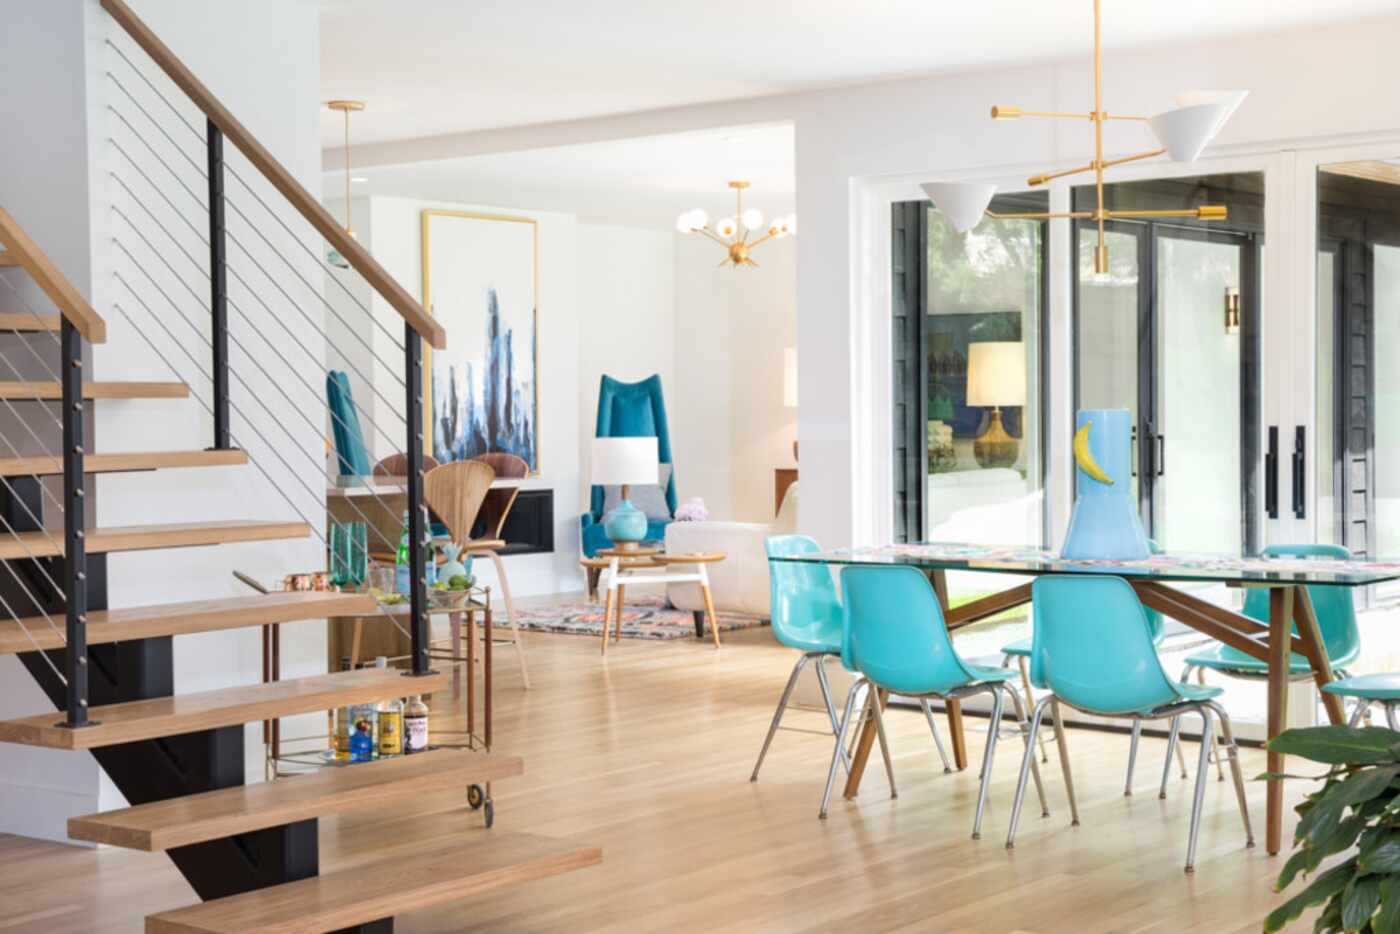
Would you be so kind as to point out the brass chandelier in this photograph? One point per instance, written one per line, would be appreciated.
(739, 233)
(1182, 133)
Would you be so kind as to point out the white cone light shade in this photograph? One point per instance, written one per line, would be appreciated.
(1185, 132)
(962, 203)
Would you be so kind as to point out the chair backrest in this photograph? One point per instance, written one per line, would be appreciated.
(1092, 645)
(505, 465)
(895, 633)
(351, 457)
(455, 492)
(1336, 614)
(396, 465)
(802, 597)
(634, 410)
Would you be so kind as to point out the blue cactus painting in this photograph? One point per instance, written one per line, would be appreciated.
(479, 278)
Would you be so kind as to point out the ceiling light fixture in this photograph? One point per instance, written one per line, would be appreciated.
(734, 232)
(346, 107)
(1183, 133)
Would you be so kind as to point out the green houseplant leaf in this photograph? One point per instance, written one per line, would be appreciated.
(1338, 745)
(1330, 883)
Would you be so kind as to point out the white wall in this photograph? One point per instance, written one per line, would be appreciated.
(62, 186)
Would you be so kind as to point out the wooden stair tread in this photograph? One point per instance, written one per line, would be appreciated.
(215, 814)
(171, 619)
(458, 867)
(49, 389)
(24, 321)
(145, 537)
(207, 710)
(117, 463)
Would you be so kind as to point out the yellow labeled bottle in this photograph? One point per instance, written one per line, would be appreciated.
(391, 728)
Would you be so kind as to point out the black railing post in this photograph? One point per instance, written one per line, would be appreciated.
(75, 548)
(218, 284)
(417, 514)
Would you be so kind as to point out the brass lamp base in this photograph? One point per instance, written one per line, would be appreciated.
(995, 448)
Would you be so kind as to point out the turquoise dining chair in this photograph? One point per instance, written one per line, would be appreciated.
(896, 640)
(1092, 650)
(1382, 688)
(1021, 651)
(807, 616)
(1336, 620)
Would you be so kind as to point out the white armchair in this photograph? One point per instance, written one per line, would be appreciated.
(739, 583)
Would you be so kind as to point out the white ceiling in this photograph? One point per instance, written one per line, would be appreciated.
(429, 67)
(643, 182)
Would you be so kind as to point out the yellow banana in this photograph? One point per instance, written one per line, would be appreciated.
(1085, 459)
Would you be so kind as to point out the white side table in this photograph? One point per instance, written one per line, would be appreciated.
(635, 567)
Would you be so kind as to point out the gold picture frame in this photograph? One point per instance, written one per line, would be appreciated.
(426, 225)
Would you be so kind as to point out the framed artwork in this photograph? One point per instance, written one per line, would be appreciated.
(481, 280)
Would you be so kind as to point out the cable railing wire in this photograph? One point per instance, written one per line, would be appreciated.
(257, 397)
(239, 243)
(234, 172)
(339, 420)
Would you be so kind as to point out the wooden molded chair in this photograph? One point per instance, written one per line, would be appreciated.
(396, 465)
(455, 493)
(499, 502)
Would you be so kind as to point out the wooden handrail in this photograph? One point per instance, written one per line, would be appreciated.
(302, 200)
(56, 286)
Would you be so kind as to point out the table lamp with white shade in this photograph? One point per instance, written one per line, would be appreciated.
(624, 462)
(996, 376)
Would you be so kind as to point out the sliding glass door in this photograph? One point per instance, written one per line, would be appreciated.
(1171, 334)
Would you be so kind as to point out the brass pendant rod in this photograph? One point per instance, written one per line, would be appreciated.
(1204, 212)
(1041, 215)
(1004, 112)
(1108, 163)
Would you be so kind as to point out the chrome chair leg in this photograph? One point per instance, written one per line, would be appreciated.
(1180, 759)
(1064, 759)
(1390, 716)
(1227, 734)
(1132, 758)
(1167, 765)
(846, 716)
(1202, 767)
(778, 714)
(1027, 757)
(1360, 711)
(825, 684)
(1020, 710)
(937, 740)
(1030, 696)
(987, 757)
(1214, 747)
(875, 707)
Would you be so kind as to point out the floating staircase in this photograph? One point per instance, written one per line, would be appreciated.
(250, 852)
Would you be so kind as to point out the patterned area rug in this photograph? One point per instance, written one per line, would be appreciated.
(648, 617)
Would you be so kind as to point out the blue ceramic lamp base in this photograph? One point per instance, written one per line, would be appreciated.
(626, 525)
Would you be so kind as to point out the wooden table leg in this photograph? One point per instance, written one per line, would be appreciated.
(709, 602)
(617, 609)
(607, 616)
(863, 747)
(1305, 618)
(1280, 641)
(939, 580)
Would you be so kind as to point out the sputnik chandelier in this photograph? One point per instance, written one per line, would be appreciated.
(737, 233)
(1183, 133)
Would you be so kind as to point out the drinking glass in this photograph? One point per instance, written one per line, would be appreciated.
(349, 554)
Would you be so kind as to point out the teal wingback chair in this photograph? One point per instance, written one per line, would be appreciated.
(897, 640)
(1092, 648)
(630, 410)
(807, 616)
(352, 458)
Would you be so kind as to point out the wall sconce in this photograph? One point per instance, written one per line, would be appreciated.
(1232, 311)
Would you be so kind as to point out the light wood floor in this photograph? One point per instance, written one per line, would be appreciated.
(648, 753)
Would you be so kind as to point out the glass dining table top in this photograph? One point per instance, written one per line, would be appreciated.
(1019, 559)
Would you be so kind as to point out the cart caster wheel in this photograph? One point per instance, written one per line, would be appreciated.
(490, 814)
(476, 797)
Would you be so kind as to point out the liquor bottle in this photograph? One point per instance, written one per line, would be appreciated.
(390, 727)
(415, 725)
(363, 719)
(342, 722)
